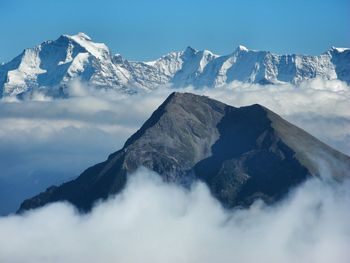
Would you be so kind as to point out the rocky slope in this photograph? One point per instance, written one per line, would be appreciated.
(49, 66)
(240, 153)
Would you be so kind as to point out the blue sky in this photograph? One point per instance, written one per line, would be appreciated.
(143, 30)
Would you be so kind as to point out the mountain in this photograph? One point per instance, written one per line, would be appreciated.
(240, 153)
(50, 66)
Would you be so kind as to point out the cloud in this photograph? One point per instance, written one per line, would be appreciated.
(152, 221)
(46, 141)
(50, 141)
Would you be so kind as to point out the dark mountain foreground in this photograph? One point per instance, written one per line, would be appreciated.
(241, 154)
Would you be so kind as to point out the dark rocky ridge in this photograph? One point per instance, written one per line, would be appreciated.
(240, 153)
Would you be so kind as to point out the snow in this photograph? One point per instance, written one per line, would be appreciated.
(98, 50)
(78, 64)
(242, 48)
(340, 49)
(151, 63)
(55, 63)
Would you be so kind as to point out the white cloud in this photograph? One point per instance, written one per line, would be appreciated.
(47, 141)
(156, 222)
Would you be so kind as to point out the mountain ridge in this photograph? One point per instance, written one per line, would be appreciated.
(240, 153)
(50, 66)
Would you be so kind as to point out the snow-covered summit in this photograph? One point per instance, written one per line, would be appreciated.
(81, 35)
(50, 66)
(242, 48)
(339, 49)
(98, 50)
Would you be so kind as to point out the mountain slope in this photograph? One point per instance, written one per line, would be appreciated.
(50, 66)
(240, 153)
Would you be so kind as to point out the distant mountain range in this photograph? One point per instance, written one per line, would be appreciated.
(240, 153)
(49, 66)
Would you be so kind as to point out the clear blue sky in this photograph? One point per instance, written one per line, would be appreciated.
(146, 29)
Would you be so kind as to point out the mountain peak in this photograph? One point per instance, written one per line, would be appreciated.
(240, 153)
(242, 48)
(98, 50)
(339, 49)
(83, 35)
(80, 35)
(189, 102)
(190, 50)
(177, 104)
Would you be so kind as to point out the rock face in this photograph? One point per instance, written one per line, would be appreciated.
(50, 66)
(240, 153)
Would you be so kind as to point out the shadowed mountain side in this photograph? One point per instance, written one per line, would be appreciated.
(240, 153)
(249, 160)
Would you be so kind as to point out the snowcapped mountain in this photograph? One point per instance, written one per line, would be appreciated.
(50, 66)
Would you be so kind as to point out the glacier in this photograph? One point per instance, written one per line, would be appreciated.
(49, 67)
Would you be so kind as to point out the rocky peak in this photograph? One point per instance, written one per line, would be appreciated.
(241, 154)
